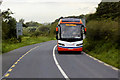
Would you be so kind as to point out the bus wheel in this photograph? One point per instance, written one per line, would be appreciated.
(58, 52)
(80, 52)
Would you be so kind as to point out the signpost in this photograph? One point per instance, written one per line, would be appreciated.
(19, 29)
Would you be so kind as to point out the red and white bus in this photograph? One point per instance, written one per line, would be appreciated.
(69, 34)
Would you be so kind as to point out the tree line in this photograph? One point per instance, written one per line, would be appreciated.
(108, 11)
(9, 27)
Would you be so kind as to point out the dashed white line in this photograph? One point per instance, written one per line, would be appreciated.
(59, 67)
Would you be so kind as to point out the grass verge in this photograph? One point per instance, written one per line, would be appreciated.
(8, 46)
(106, 52)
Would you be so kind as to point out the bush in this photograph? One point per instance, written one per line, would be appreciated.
(103, 40)
(106, 52)
(53, 29)
(102, 30)
(19, 39)
(36, 34)
(13, 40)
(43, 28)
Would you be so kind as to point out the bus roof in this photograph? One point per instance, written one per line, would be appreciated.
(71, 20)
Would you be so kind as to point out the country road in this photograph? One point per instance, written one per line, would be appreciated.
(43, 61)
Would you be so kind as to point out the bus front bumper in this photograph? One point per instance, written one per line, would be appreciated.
(70, 49)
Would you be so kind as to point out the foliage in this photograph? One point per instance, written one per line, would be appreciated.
(105, 51)
(53, 29)
(22, 21)
(102, 30)
(103, 38)
(7, 15)
(9, 45)
(42, 30)
(106, 10)
(32, 24)
(8, 25)
(102, 41)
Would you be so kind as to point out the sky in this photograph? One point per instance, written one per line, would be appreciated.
(46, 11)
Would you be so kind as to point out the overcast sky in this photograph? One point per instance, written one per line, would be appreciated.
(48, 10)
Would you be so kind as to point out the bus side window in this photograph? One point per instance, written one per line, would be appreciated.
(82, 27)
(58, 32)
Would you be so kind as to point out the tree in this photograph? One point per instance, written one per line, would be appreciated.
(12, 28)
(32, 24)
(8, 25)
(108, 10)
(22, 21)
(7, 15)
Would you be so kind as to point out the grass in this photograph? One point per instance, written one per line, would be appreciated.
(102, 41)
(106, 52)
(8, 46)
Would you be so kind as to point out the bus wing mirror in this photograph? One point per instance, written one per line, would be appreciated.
(85, 31)
(56, 32)
(57, 37)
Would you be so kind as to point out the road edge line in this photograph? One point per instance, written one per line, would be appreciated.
(57, 64)
(114, 68)
(15, 63)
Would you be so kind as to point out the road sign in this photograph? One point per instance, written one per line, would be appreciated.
(19, 29)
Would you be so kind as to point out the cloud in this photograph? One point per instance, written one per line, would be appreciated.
(48, 11)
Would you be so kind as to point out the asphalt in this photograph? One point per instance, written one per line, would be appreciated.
(39, 63)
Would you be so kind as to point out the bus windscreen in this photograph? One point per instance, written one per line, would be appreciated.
(70, 31)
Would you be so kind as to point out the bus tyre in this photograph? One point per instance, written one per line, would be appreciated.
(58, 52)
(80, 52)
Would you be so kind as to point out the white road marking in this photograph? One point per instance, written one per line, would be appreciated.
(59, 67)
(102, 62)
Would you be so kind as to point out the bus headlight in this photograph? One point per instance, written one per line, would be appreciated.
(79, 44)
(61, 44)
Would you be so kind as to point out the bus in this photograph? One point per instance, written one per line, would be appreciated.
(69, 34)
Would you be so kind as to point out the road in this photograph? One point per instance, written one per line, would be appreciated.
(42, 60)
